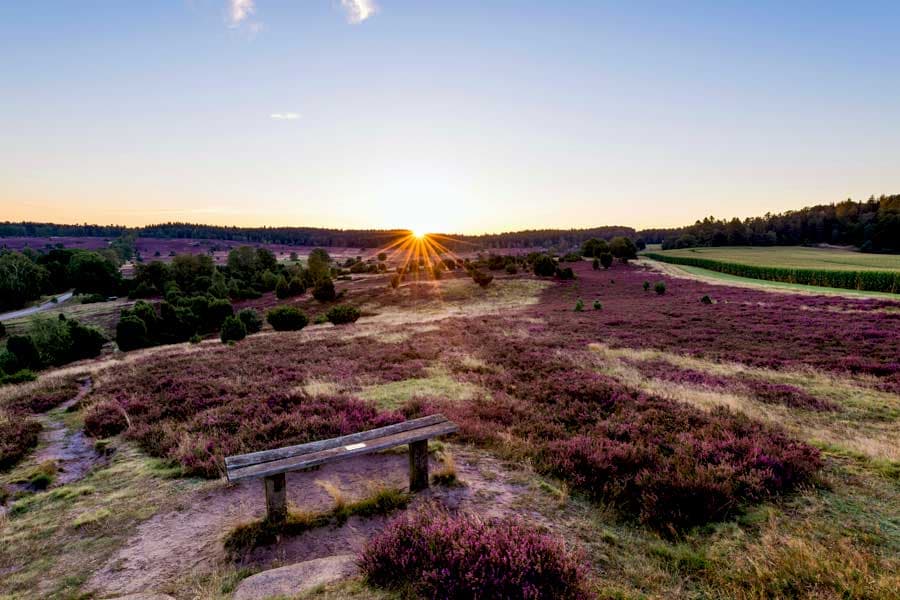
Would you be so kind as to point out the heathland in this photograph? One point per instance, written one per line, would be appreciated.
(624, 433)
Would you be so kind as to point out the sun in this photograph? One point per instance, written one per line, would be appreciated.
(418, 234)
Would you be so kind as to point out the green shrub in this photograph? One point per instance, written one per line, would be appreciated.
(706, 300)
(233, 330)
(511, 268)
(343, 313)
(565, 273)
(598, 305)
(579, 305)
(195, 339)
(481, 278)
(544, 266)
(9, 362)
(395, 281)
(25, 351)
(131, 333)
(646, 286)
(660, 287)
(87, 341)
(20, 376)
(324, 290)
(219, 310)
(96, 298)
(606, 259)
(595, 264)
(252, 321)
(287, 318)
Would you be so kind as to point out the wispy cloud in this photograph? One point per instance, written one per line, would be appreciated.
(239, 10)
(286, 116)
(358, 11)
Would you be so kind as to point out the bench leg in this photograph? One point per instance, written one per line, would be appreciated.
(276, 498)
(418, 466)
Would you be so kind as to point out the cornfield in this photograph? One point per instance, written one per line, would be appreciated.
(871, 281)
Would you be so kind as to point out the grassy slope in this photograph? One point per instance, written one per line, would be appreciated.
(795, 257)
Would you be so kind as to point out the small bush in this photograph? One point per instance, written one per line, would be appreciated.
(343, 313)
(324, 290)
(579, 305)
(105, 419)
(287, 318)
(544, 266)
(660, 287)
(219, 310)
(25, 351)
(233, 330)
(443, 556)
(598, 305)
(252, 321)
(481, 278)
(606, 259)
(706, 300)
(646, 286)
(195, 339)
(512, 269)
(9, 363)
(595, 264)
(131, 333)
(20, 376)
(566, 273)
(395, 281)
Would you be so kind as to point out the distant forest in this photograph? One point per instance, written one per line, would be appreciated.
(872, 225)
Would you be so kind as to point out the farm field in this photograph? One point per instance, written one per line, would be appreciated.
(825, 267)
(794, 257)
(740, 448)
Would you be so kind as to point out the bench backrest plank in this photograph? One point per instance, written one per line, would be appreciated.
(292, 458)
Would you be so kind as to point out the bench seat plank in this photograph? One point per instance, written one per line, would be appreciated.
(264, 456)
(350, 446)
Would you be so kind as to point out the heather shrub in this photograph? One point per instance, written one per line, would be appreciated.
(660, 287)
(673, 467)
(579, 305)
(324, 290)
(252, 321)
(18, 435)
(105, 419)
(544, 266)
(435, 554)
(343, 313)
(233, 330)
(287, 318)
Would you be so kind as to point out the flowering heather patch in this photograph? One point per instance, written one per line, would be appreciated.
(18, 435)
(763, 391)
(39, 396)
(442, 556)
(757, 328)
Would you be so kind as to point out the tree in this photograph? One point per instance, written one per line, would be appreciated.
(91, 273)
(606, 259)
(319, 263)
(131, 333)
(21, 280)
(622, 248)
(593, 248)
(251, 320)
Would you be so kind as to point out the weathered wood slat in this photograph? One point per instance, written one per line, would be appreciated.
(264, 456)
(331, 454)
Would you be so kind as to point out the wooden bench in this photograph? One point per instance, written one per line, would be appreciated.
(272, 465)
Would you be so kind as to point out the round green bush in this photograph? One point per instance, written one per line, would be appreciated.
(251, 320)
(25, 351)
(287, 318)
(579, 305)
(233, 330)
(343, 313)
(544, 266)
(606, 259)
(324, 290)
(660, 287)
(131, 333)
(706, 300)
(598, 305)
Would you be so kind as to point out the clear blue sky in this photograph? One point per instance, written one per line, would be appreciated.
(453, 116)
